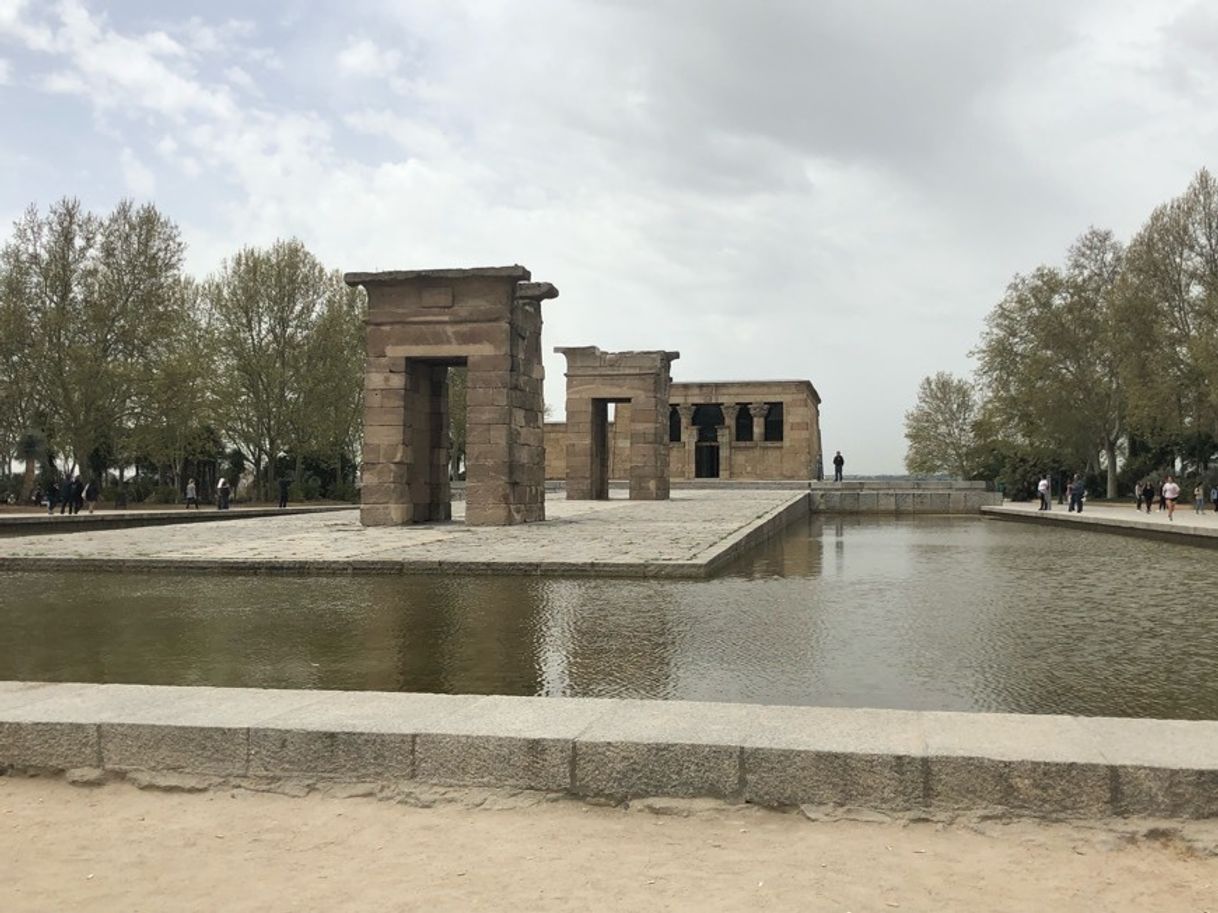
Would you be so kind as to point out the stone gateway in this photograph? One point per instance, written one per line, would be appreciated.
(596, 379)
(421, 323)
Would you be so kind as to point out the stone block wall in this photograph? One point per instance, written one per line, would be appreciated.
(594, 380)
(420, 323)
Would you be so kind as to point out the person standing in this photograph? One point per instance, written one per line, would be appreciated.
(838, 462)
(52, 497)
(1162, 495)
(1214, 497)
(222, 494)
(1137, 495)
(91, 493)
(1148, 495)
(1042, 489)
(192, 494)
(284, 483)
(1171, 492)
(1198, 499)
(1077, 490)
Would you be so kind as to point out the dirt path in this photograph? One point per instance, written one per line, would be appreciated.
(117, 848)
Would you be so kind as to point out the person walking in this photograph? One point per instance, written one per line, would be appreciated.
(838, 462)
(1162, 495)
(1148, 495)
(1077, 490)
(1171, 493)
(1198, 499)
(1214, 497)
(78, 495)
(1137, 495)
(52, 497)
(192, 494)
(1042, 488)
(284, 484)
(91, 493)
(222, 494)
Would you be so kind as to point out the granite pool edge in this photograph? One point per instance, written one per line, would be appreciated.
(1160, 530)
(33, 525)
(774, 756)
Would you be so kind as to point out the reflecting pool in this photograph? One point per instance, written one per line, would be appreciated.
(952, 613)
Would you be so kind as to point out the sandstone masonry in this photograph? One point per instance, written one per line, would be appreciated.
(420, 323)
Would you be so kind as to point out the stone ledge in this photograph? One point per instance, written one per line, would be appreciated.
(1160, 529)
(1041, 766)
(33, 524)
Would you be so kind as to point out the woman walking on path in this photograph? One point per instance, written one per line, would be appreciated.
(192, 495)
(1171, 493)
(222, 494)
(91, 492)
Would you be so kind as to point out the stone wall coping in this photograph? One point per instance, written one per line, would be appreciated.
(1052, 766)
(1181, 532)
(395, 276)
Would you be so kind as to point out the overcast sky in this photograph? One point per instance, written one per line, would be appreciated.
(836, 191)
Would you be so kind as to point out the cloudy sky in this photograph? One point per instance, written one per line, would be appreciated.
(836, 191)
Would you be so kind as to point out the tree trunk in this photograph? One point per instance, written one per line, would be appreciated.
(1110, 457)
(27, 481)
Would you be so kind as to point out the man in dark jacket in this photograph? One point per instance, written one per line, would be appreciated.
(1078, 488)
(838, 462)
(284, 483)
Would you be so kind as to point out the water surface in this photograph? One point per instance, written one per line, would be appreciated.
(920, 613)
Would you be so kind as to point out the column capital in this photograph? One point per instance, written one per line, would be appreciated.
(730, 411)
(759, 410)
(686, 411)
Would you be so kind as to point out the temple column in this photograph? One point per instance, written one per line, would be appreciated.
(689, 437)
(758, 413)
(725, 432)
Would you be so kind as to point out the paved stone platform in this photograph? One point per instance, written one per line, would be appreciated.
(1040, 766)
(691, 535)
(26, 523)
(1188, 527)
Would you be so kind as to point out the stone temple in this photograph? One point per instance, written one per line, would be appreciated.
(420, 323)
(764, 430)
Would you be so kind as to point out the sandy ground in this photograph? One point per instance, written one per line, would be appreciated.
(116, 847)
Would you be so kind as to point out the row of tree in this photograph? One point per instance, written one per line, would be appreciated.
(1106, 364)
(113, 358)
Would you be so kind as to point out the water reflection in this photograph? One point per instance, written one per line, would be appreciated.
(947, 613)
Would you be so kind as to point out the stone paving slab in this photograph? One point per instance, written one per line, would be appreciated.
(1187, 527)
(1043, 766)
(690, 535)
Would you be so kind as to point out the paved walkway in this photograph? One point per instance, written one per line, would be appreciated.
(1187, 526)
(682, 537)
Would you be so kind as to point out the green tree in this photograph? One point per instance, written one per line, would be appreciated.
(940, 428)
(264, 305)
(99, 304)
(1051, 354)
(1170, 310)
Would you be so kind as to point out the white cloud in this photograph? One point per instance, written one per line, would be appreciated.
(138, 177)
(362, 58)
(836, 191)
